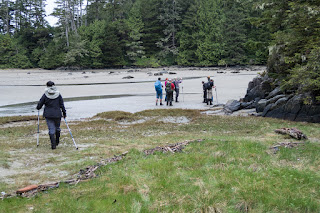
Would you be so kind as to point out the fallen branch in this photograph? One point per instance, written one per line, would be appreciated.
(293, 132)
(32, 190)
(84, 174)
(173, 148)
(289, 145)
(89, 172)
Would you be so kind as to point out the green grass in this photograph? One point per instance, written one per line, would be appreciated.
(232, 170)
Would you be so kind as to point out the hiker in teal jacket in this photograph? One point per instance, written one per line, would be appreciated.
(158, 87)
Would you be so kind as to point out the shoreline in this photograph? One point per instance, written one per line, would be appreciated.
(88, 92)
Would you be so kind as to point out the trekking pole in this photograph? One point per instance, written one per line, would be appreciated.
(70, 133)
(38, 130)
(182, 94)
(216, 94)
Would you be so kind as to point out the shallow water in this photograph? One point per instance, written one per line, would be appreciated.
(84, 98)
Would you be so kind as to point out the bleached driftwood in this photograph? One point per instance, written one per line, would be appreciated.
(293, 132)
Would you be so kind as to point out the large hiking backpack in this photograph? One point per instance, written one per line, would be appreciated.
(168, 87)
(158, 86)
(208, 86)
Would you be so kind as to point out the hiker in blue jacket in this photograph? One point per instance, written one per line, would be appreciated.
(158, 87)
(53, 111)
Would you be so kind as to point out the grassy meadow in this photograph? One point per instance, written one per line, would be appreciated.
(232, 170)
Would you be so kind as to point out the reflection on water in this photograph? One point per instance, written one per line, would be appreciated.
(126, 97)
(88, 108)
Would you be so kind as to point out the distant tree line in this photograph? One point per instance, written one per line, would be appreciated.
(113, 33)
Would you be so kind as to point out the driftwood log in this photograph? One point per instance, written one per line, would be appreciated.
(89, 172)
(173, 148)
(32, 190)
(293, 132)
(84, 174)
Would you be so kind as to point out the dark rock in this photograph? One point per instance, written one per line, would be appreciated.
(172, 73)
(294, 104)
(261, 105)
(274, 99)
(247, 105)
(158, 73)
(111, 72)
(280, 102)
(275, 92)
(71, 68)
(270, 101)
(309, 113)
(232, 105)
(128, 77)
(266, 87)
(254, 93)
(266, 110)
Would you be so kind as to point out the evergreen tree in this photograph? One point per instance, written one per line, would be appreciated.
(135, 26)
(210, 39)
(170, 19)
(6, 16)
(188, 34)
(234, 33)
(152, 31)
(94, 35)
(112, 48)
(12, 55)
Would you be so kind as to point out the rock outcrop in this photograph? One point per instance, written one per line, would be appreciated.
(270, 101)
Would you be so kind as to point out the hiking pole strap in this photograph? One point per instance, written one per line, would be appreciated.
(70, 133)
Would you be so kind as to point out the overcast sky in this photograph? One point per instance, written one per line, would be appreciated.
(49, 9)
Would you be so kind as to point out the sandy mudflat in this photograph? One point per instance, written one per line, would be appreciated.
(80, 90)
(132, 95)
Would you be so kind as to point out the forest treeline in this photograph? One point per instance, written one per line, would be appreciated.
(149, 33)
(115, 33)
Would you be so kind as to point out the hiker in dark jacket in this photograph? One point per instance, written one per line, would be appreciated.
(53, 111)
(204, 92)
(177, 83)
(169, 90)
(210, 84)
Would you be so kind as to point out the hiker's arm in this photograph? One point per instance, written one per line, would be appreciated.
(41, 102)
(63, 109)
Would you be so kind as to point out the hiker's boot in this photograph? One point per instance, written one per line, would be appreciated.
(161, 104)
(156, 103)
(57, 137)
(177, 99)
(207, 102)
(53, 141)
(211, 103)
(167, 103)
(170, 103)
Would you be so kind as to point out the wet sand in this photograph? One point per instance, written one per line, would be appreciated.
(89, 92)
